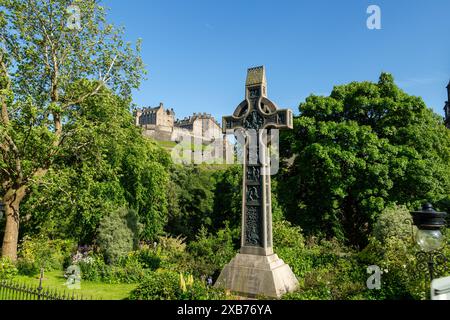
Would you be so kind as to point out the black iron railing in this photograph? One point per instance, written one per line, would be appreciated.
(11, 290)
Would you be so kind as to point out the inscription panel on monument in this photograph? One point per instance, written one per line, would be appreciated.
(254, 226)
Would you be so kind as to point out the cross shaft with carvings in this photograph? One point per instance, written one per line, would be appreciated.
(254, 116)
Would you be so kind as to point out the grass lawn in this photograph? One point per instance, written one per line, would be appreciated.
(167, 144)
(89, 290)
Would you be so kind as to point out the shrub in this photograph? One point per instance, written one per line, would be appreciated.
(135, 266)
(168, 285)
(131, 272)
(396, 259)
(326, 270)
(391, 248)
(94, 268)
(158, 286)
(172, 246)
(393, 222)
(130, 269)
(7, 269)
(211, 252)
(38, 252)
(286, 235)
(170, 251)
(118, 234)
(147, 258)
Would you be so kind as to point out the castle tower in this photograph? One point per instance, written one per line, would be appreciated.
(447, 107)
(137, 116)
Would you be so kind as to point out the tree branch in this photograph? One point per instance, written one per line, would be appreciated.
(4, 73)
(84, 97)
(16, 157)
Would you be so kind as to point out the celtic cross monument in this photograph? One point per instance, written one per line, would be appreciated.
(256, 270)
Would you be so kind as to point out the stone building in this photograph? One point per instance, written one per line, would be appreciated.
(447, 107)
(160, 124)
(200, 125)
(156, 122)
(155, 116)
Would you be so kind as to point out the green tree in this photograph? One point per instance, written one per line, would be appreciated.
(41, 62)
(118, 234)
(362, 148)
(192, 192)
(228, 198)
(106, 164)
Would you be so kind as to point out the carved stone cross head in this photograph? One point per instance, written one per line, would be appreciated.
(257, 111)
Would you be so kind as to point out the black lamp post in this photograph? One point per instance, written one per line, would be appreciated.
(429, 237)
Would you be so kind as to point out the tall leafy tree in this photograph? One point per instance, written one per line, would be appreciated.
(228, 197)
(192, 200)
(106, 164)
(363, 147)
(42, 58)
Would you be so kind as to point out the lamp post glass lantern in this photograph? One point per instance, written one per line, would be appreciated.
(429, 223)
(430, 239)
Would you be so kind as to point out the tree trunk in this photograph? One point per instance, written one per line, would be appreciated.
(12, 201)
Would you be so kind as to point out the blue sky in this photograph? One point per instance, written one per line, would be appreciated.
(197, 51)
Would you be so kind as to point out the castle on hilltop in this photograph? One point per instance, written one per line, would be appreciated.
(160, 124)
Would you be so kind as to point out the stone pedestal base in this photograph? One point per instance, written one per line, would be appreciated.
(254, 275)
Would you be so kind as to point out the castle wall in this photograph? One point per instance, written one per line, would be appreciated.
(160, 133)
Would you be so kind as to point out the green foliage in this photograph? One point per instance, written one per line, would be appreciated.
(118, 234)
(7, 269)
(366, 146)
(228, 198)
(94, 269)
(326, 270)
(145, 181)
(352, 156)
(128, 270)
(158, 286)
(168, 254)
(172, 253)
(46, 86)
(192, 200)
(400, 279)
(96, 49)
(168, 285)
(103, 175)
(394, 222)
(210, 252)
(204, 257)
(146, 257)
(286, 235)
(392, 249)
(204, 196)
(170, 248)
(40, 252)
